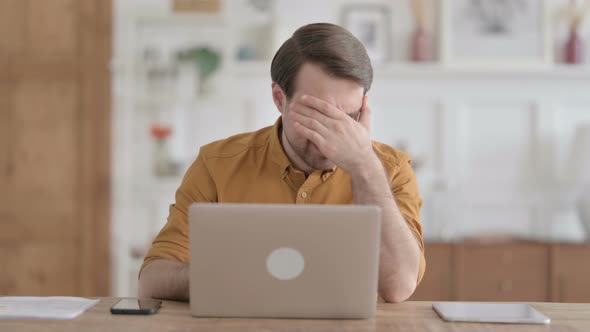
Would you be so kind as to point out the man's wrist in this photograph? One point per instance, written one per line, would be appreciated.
(367, 169)
(184, 274)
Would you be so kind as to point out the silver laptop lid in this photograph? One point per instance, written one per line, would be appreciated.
(292, 261)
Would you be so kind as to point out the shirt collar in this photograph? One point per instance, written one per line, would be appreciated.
(277, 153)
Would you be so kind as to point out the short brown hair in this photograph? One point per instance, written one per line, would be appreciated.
(332, 47)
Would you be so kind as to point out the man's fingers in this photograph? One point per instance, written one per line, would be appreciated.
(310, 123)
(304, 110)
(323, 106)
(311, 135)
(365, 117)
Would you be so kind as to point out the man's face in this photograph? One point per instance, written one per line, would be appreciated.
(312, 80)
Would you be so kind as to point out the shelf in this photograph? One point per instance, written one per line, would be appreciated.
(158, 185)
(440, 71)
(256, 69)
(251, 68)
(157, 102)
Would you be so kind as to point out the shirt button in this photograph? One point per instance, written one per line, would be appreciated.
(304, 194)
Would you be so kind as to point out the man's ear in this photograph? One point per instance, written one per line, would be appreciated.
(279, 97)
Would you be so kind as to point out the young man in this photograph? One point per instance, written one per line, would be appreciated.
(318, 152)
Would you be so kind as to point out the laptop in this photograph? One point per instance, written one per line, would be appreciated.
(484, 312)
(284, 261)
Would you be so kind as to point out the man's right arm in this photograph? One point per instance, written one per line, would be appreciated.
(165, 279)
(165, 272)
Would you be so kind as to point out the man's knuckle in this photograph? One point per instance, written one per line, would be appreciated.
(316, 124)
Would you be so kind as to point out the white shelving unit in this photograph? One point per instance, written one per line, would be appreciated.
(140, 198)
(535, 108)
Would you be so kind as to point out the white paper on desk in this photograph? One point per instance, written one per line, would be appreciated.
(43, 307)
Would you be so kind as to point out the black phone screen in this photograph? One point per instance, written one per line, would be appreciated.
(136, 306)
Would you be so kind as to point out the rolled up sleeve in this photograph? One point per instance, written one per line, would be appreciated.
(405, 190)
(173, 240)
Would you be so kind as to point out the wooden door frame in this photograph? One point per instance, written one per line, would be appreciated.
(87, 66)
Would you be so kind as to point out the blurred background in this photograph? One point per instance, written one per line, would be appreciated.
(104, 105)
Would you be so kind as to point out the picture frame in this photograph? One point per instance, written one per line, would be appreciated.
(371, 24)
(197, 6)
(495, 34)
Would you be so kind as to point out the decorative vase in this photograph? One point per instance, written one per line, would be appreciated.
(164, 164)
(420, 46)
(573, 48)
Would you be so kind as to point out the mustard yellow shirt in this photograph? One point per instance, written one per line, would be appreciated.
(253, 168)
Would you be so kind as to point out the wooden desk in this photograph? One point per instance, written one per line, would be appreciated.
(409, 316)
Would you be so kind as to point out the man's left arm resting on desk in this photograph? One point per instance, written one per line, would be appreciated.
(401, 262)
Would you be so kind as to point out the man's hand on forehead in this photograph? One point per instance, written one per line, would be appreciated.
(323, 106)
(340, 138)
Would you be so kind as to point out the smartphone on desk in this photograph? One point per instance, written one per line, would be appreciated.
(136, 307)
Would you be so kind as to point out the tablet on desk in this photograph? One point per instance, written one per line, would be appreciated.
(514, 313)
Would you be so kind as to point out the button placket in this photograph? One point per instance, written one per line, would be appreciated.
(305, 191)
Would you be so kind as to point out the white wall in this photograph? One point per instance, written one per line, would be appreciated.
(494, 145)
